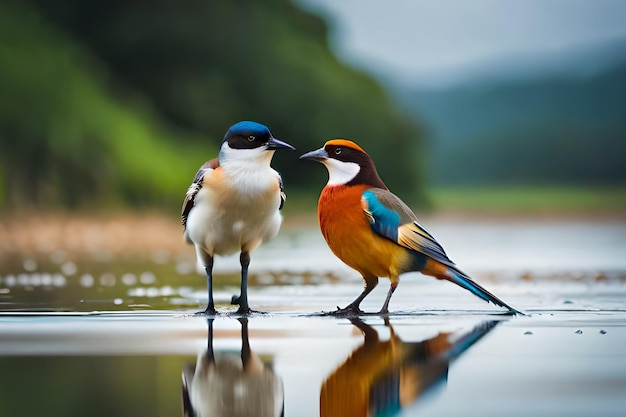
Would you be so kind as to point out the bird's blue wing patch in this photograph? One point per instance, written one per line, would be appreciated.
(383, 220)
(386, 222)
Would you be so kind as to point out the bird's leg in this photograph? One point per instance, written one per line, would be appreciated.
(353, 308)
(242, 300)
(392, 288)
(208, 262)
(245, 343)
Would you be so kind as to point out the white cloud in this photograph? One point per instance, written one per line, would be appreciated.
(430, 39)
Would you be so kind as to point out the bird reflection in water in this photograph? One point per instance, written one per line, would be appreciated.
(231, 384)
(381, 377)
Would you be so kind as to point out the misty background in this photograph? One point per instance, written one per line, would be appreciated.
(116, 104)
(510, 93)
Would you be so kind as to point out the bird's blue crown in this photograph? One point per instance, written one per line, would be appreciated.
(248, 127)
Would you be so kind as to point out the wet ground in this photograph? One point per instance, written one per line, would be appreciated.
(102, 337)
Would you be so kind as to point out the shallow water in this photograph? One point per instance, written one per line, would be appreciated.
(82, 337)
(434, 363)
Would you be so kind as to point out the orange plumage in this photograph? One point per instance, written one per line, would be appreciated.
(349, 236)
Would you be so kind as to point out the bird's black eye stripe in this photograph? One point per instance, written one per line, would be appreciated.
(338, 151)
(251, 138)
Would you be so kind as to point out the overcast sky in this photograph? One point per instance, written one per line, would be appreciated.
(439, 39)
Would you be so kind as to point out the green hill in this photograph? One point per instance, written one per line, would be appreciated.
(120, 101)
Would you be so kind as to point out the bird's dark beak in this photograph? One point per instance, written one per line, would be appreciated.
(274, 144)
(316, 155)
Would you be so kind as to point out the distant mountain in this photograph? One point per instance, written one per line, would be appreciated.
(559, 128)
(577, 62)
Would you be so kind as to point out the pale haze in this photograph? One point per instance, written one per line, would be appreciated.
(438, 41)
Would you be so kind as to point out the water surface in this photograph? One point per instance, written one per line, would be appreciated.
(109, 337)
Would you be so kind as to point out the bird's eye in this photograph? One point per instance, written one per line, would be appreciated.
(338, 151)
(251, 138)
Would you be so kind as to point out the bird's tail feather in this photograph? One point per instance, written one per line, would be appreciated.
(462, 280)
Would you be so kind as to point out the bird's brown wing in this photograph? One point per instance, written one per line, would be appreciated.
(195, 186)
(283, 196)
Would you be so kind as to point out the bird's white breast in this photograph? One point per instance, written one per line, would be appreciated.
(236, 208)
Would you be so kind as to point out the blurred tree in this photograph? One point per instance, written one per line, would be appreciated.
(65, 140)
(196, 67)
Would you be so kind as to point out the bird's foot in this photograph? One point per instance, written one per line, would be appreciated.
(244, 309)
(383, 312)
(348, 311)
(246, 312)
(209, 311)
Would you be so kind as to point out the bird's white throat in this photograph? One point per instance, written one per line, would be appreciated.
(255, 155)
(249, 170)
(340, 172)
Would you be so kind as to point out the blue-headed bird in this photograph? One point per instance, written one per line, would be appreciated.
(374, 232)
(233, 202)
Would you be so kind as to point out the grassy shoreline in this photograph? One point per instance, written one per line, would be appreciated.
(542, 200)
(131, 233)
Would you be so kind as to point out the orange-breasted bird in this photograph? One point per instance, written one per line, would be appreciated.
(233, 202)
(374, 232)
